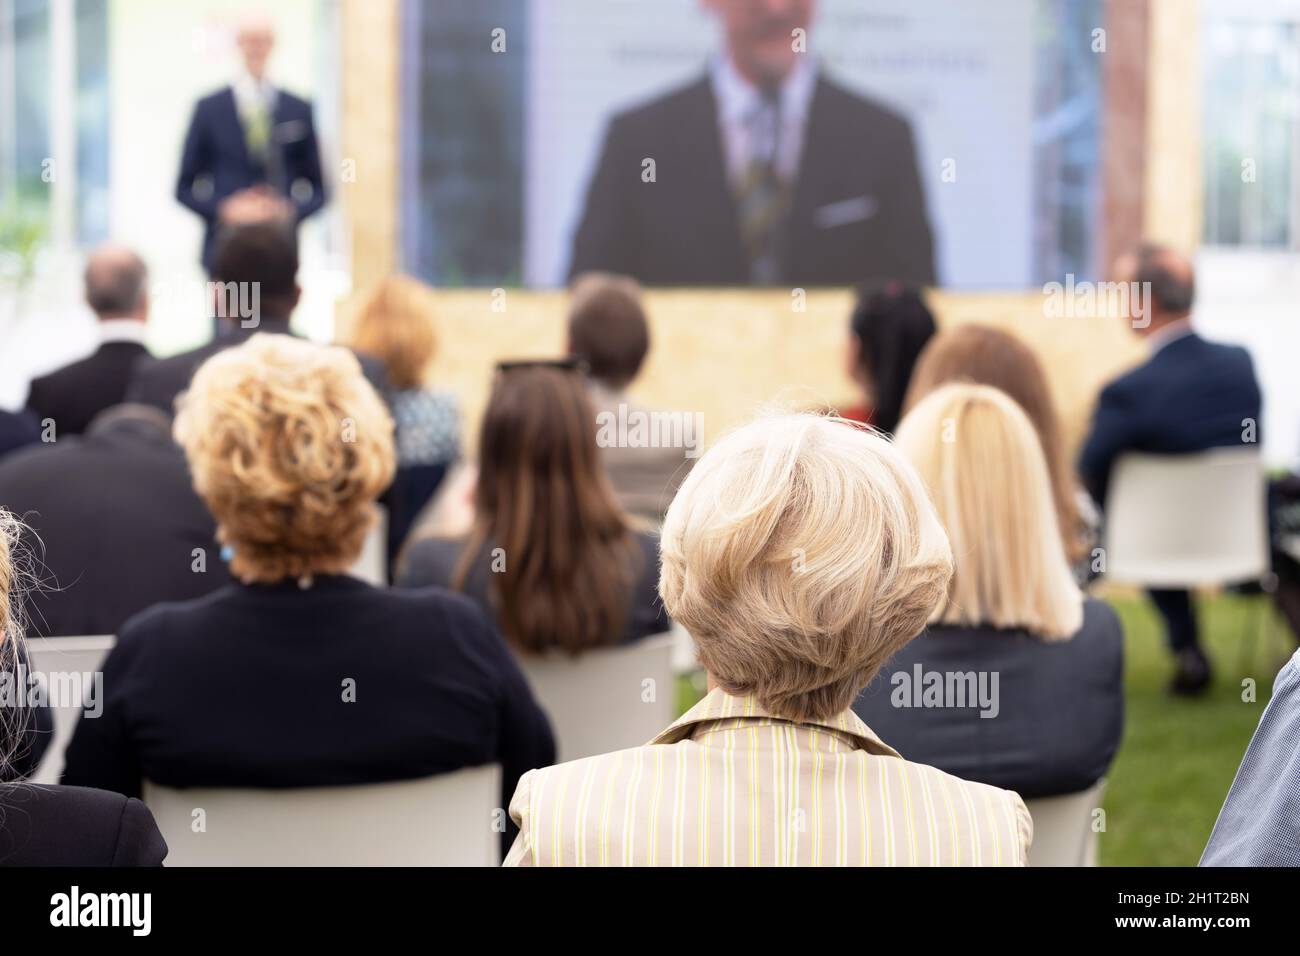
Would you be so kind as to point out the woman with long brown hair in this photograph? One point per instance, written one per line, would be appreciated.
(551, 555)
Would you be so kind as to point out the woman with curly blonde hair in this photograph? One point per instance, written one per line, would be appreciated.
(299, 675)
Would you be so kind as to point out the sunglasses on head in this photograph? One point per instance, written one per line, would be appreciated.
(562, 365)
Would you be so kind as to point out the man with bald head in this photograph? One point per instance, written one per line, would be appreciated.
(1189, 396)
(251, 153)
(116, 291)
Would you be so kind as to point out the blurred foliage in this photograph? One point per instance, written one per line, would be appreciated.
(22, 232)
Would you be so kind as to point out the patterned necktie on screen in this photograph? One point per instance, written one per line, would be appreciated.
(762, 196)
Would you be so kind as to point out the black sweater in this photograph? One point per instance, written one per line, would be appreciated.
(277, 686)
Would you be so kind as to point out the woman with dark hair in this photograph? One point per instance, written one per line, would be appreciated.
(48, 825)
(889, 328)
(551, 555)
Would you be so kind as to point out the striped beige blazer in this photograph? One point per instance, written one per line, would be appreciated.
(730, 785)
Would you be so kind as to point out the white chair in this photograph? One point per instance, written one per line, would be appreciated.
(452, 819)
(59, 659)
(1185, 521)
(372, 564)
(607, 699)
(1063, 828)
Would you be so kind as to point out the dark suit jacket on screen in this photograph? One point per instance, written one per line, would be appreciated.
(1190, 396)
(76, 393)
(245, 688)
(118, 519)
(1060, 705)
(74, 826)
(216, 160)
(858, 210)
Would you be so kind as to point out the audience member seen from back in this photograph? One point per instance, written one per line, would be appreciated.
(608, 331)
(1042, 709)
(17, 430)
(254, 289)
(337, 682)
(393, 327)
(56, 826)
(117, 292)
(115, 522)
(551, 553)
(801, 553)
(983, 355)
(1189, 396)
(889, 328)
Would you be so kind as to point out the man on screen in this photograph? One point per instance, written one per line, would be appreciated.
(764, 172)
(250, 153)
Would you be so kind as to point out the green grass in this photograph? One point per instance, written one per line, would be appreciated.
(1178, 755)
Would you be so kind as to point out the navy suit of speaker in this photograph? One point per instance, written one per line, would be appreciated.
(216, 163)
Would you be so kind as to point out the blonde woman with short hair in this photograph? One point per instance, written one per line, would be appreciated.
(299, 675)
(801, 553)
(1018, 680)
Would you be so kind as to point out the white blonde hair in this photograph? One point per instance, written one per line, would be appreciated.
(981, 459)
(15, 578)
(801, 553)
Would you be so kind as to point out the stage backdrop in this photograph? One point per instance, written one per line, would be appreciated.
(729, 353)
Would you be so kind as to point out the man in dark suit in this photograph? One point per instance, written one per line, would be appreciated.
(1189, 396)
(118, 520)
(255, 289)
(765, 171)
(251, 152)
(116, 292)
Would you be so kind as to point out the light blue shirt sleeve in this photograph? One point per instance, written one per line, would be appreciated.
(1259, 824)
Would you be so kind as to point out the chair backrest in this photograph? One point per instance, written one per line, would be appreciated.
(447, 820)
(1182, 521)
(60, 659)
(1063, 828)
(607, 699)
(372, 564)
